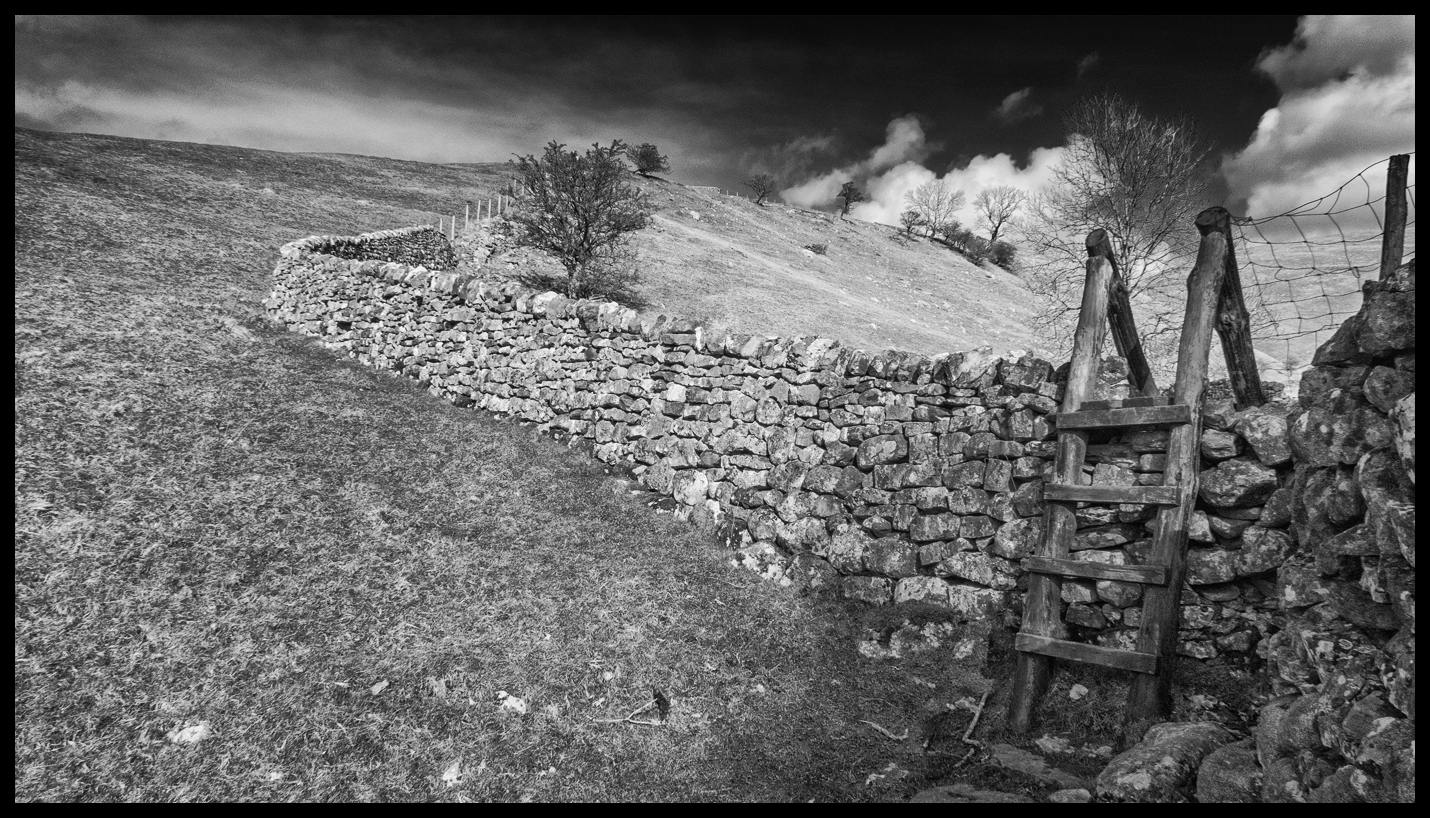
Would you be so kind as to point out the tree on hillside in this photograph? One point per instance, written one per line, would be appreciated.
(935, 201)
(910, 219)
(996, 206)
(648, 159)
(850, 194)
(580, 209)
(1141, 178)
(762, 184)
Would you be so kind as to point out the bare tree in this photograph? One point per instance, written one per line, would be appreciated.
(762, 184)
(579, 209)
(1141, 178)
(910, 219)
(996, 206)
(936, 201)
(850, 194)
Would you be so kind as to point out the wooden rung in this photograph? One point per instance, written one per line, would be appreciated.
(1145, 574)
(1092, 654)
(1161, 495)
(1136, 416)
(1124, 403)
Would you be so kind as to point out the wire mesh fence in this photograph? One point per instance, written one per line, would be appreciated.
(1302, 270)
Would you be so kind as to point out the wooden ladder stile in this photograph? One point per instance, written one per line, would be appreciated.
(1044, 636)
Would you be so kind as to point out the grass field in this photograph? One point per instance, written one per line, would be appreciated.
(331, 578)
(222, 528)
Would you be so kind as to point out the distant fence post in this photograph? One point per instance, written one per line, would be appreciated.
(1393, 246)
(467, 217)
(1233, 323)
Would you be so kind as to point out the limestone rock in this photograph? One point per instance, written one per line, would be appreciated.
(1277, 511)
(1162, 768)
(1389, 502)
(874, 590)
(1236, 483)
(1262, 549)
(1403, 414)
(1268, 435)
(1388, 322)
(1320, 437)
(882, 449)
(1359, 609)
(984, 569)
(1210, 566)
(812, 574)
(1032, 765)
(891, 557)
(1017, 539)
(1385, 387)
(1106, 536)
(1299, 585)
(846, 548)
(1217, 445)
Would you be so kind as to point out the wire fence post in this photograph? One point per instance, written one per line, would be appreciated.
(1393, 247)
(1233, 323)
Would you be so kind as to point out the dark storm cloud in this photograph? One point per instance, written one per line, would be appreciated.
(418, 89)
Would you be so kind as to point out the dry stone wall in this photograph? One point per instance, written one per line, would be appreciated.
(1343, 728)
(883, 477)
(416, 246)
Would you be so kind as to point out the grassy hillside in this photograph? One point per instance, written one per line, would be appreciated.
(247, 569)
(223, 530)
(724, 259)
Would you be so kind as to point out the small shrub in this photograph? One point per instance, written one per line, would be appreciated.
(648, 159)
(817, 249)
(1003, 254)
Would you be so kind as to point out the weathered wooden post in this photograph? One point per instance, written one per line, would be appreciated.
(1124, 327)
(1233, 323)
(1150, 699)
(467, 217)
(1041, 612)
(1392, 247)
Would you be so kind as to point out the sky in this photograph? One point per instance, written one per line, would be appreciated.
(1290, 107)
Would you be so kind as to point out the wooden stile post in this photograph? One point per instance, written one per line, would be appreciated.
(1392, 247)
(1233, 323)
(1041, 613)
(1124, 328)
(1150, 699)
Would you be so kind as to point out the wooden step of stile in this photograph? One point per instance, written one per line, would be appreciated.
(1084, 418)
(1124, 403)
(1144, 574)
(1156, 495)
(1090, 654)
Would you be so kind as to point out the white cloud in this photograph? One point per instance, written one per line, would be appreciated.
(886, 191)
(904, 142)
(1347, 101)
(1017, 106)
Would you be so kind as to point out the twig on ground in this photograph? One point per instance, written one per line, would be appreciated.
(966, 756)
(631, 719)
(974, 723)
(885, 732)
